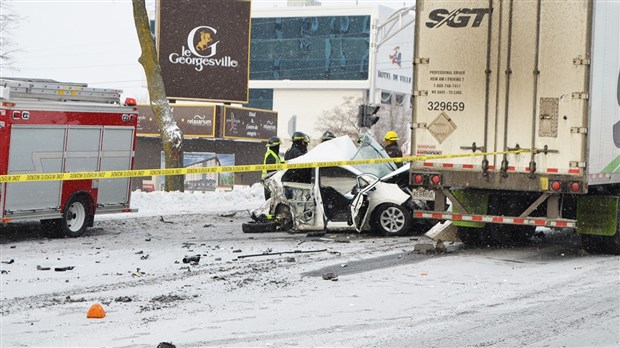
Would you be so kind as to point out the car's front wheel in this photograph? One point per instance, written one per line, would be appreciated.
(391, 219)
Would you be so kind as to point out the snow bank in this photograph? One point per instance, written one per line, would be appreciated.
(156, 203)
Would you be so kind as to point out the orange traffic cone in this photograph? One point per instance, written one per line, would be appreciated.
(95, 311)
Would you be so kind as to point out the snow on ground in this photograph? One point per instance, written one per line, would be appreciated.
(215, 202)
(255, 290)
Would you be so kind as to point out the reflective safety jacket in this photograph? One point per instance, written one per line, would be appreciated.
(270, 158)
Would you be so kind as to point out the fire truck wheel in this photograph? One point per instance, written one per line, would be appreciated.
(75, 218)
(391, 219)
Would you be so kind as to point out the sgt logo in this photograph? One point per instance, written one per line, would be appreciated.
(459, 18)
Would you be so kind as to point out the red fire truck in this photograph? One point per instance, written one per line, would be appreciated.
(56, 127)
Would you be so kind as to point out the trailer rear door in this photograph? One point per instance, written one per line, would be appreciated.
(494, 76)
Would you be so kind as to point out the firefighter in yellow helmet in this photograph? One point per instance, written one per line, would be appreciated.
(391, 146)
(272, 156)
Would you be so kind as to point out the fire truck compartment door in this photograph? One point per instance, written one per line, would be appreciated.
(35, 149)
(117, 153)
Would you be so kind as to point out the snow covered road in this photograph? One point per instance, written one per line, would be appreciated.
(546, 293)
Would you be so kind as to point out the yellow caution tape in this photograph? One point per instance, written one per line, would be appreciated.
(117, 174)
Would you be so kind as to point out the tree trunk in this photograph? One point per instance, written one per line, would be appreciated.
(171, 135)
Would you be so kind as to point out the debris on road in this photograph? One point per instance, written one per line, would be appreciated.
(9, 262)
(62, 269)
(188, 259)
(95, 312)
(41, 268)
(330, 276)
(444, 231)
(161, 218)
(123, 299)
(282, 252)
(440, 247)
(423, 248)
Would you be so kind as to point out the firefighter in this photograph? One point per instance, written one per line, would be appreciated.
(391, 146)
(272, 156)
(299, 147)
(327, 136)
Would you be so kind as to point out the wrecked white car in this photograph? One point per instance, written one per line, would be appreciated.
(320, 199)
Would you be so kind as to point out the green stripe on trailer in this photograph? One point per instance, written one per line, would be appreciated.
(613, 167)
(475, 202)
(597, 215)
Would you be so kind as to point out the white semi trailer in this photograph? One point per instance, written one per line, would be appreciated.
(493, 78)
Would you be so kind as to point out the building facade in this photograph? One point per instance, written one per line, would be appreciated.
(305, 60)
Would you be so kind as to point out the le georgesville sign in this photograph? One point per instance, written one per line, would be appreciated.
(203, 49)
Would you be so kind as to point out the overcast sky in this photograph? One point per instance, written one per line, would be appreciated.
(95, 41)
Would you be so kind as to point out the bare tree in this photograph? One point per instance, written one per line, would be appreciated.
(9, 20)
(342, 119)
(171, 135)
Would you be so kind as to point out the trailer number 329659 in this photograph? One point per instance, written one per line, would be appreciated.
(449, 106)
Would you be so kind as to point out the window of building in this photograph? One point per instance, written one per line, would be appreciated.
(310, 48)
(260, 99)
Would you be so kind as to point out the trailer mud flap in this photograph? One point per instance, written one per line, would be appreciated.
(597, 215)
(476, 202)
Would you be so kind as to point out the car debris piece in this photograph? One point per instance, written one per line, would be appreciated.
(330, 276)
(123, 299)
(166, 345)
(423, 248)
(62, 269)
(4, 272)
(161, 218)
(40, 268)
(440, 247)
(144, 257)
(282, 252)
(228, 215)
(9, 262)
(194, 258)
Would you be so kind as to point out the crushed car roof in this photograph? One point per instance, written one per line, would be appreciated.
(337, 149)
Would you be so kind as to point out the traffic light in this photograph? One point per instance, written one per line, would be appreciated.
(366, 115)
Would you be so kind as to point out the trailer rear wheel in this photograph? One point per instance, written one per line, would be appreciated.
(469, 235)
(611, 244)
(75, 218)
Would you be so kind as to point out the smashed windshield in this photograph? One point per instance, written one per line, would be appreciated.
(369, 149)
